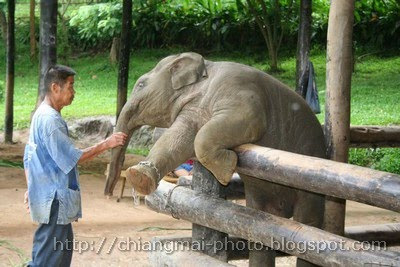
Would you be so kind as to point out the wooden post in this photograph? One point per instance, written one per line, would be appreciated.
(337, 107)
(10, 68)
(303, 47)
(204, 182)
(48, 42)
(124, 55)
(32, 36)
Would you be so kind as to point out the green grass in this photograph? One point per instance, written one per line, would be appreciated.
(11, 164)
(138, 151)
(375, 93)
(375, 85)
(23, 259)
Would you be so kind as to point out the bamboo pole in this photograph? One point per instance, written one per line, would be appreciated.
(10, 69)
(337, 107)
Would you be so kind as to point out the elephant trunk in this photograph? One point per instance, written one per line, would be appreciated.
(118, 153)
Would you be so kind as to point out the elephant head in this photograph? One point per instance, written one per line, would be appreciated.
(156, 100)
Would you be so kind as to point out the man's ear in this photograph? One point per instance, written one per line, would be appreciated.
(55, 88)
(187, 69)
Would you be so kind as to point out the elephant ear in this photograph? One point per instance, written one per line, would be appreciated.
(187, 69)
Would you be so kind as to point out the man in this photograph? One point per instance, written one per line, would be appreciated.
(50, 162)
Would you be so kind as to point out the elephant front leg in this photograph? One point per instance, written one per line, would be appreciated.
(214, 141)
(173, 148)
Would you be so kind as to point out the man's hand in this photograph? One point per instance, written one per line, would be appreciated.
(26, 201)
(116, 139)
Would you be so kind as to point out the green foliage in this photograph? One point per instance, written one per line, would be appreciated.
(216, 24)
(319, 25)
(377, 23)
(96, 24)
(383, 159)
(22, 29)
(1, 91)
(156, 23)
(211, 24)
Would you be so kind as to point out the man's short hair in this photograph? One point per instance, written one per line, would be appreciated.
(57, 74)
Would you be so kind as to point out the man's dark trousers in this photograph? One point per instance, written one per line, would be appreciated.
(52, 242)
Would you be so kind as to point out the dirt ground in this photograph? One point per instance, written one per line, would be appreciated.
(106, 223)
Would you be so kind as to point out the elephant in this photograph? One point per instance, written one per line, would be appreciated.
(209, 108)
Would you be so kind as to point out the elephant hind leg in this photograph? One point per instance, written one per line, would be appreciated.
(214, 140)
(309, 210)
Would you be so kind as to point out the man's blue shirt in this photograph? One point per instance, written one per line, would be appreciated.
(51, 160)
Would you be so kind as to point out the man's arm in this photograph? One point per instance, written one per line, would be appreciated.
(116, 139)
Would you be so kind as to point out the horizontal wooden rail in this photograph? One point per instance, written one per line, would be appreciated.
(376, 188)
(294, 238)
(390, 233)
(375, 136)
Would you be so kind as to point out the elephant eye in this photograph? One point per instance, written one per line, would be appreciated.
(140, 85)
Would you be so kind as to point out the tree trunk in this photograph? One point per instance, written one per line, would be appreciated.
(124, 55)
(32, 36)
(274, 59)
(3, 22)
(337, 107)
(9, 110)
(115, 49)
(265, 27)
(48, 41)
(303, 47)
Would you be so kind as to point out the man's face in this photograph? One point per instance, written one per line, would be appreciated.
(67, 92)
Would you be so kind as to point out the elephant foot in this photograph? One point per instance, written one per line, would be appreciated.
(224, 177)
(141, 178)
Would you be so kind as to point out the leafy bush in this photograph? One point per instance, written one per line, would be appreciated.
(377, 23)
(383, 159)
(22, 30)
(96, 24)
(1, 91)
(224, 24)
